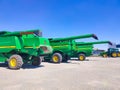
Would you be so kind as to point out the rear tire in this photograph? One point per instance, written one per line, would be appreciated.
(118, 54)
(114, 54)
(36, 61)
(57, 58)
(81, 57)
(15, 62)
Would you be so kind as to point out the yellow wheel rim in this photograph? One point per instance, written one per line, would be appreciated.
(55, 58)
(81, 58)
(114, 55)
(118, 54)
(13, 62)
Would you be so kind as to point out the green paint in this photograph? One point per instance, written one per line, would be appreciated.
(24, 43)
(110, 51)
(67, 46)
(87, 47)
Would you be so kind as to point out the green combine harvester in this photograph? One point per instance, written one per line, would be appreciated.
(85, 49)
(18, 48)
(64, 48)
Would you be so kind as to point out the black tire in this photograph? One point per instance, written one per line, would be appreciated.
(118, 54)
(36, 61)
(81, 57)
(56, 58)
(15, 62)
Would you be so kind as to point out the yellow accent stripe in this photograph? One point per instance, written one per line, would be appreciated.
(32, 47)
(7, 46)
(75, 47)
(85, 48)
(60, 46)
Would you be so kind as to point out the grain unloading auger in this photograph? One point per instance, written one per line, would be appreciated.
(91, 43)
(73, 38)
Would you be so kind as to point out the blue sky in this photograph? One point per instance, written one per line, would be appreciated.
(62, 18)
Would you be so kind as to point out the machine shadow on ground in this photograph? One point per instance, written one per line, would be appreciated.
(26, 66)
(3, 65)
(68, 62)
(79, 60)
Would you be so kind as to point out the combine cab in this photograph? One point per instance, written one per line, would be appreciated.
(18, 48)
(63, 48)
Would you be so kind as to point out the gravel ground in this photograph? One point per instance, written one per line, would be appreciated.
(96, 73)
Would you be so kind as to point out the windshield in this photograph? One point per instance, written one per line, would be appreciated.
(116, 50)
(38, 33)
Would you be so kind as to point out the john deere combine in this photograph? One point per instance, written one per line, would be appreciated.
(18, 48)
(85, 49)
(64, 48)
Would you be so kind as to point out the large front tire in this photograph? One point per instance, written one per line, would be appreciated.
(57, 58)
(36, 61)
(81, 57)
(15, 62)
(114, 54)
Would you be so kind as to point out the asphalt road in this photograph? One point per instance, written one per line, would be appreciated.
(96, 73)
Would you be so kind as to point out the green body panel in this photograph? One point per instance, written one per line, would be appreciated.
(64, 47)
(67, 46)
(87, 47)
(73, 49)
(3, 58)
(83, 49)
(9, 43)
(23, 43)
